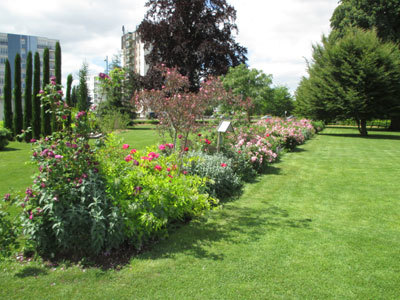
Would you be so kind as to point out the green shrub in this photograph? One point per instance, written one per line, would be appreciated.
(149, 189)
(224, 182)
(318, 126)
(9, 228)
(5, 135)
(113, 120)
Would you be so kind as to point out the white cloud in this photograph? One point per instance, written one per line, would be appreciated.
(278, 34)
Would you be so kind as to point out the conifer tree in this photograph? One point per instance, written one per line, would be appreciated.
(28, 97)
(36, 99)
(83, 91)
(45, 117)
(58, 63)
(8, 114)
(17, 120)
(68, 94)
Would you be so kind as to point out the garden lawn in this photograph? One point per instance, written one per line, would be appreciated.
(323, 224)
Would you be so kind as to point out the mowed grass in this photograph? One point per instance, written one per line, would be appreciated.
(323, 224)
(16, 171)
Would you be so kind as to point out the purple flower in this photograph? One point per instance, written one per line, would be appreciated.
(7, 197)
(80, 114)
(135, 162)
(33, 140)
(41, 92)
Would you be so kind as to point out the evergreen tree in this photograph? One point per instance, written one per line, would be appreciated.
(74, 96)
(36, 99)
(46, 117)
(18, 120)
(68, 94)
(357, 76)
(58, 63)
(28, 97)
(8, 114)
(83, 91)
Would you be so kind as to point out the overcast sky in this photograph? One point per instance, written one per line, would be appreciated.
(277, 34)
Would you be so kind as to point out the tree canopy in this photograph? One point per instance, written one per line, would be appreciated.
(356, 76)
(194, 36)
(368, 14)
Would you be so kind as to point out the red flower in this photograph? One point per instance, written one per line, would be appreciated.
(158, 167)
(186, 149)
(133, 151)
(128, 158)
(223, 165)
(125, 146)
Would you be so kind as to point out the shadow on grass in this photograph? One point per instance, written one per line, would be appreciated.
(31, 272)
(232, 226)
(6, 149)
(369, 136)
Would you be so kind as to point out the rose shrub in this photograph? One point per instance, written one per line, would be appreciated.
(149, 188)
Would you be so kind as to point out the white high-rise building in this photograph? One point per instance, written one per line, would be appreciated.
(133, 53)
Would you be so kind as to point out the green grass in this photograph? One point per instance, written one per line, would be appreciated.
(323, 224)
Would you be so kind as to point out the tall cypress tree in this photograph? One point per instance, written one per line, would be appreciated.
(17, 121)
(69, 85)
(58, 63)
(74, 96)
(83, 91)
(28, 97)
(46, 117)
(8, 114)
(36, 99)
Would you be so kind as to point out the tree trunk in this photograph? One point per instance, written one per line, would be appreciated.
(363, 129)
(395, 123)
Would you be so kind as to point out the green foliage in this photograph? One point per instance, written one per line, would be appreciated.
(67, 210)
(9, 226)
(149, 189)
(74, 96)
(83, 90)
(68, 99)
(382, 16)
(45, 109)
(8, 114)
(28, 98)
(112, 120)
(18, 118)
(58, 63)
(36, 123)
(356, 77)
(223, 181)
(5, 135)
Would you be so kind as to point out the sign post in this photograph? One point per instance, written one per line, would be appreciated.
(223, 127)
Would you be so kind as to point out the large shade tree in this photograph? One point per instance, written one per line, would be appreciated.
(356, 76)
(195, 36)
(368, 14)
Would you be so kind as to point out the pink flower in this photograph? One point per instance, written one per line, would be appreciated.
(30, 216)
(170, 176)
(60, 92)
(58, 156)
(180, 136)
(158, 167)
(41, 92)
(64, 117)
(133, 151)
(80, 114)
(168, 169)
(43, 185)
(223, 165)
(171, 146)
(125, 146)
(128, 158)
(7, 197)
(185, 172)
(161, 147)
(33, 140)
(207, 141)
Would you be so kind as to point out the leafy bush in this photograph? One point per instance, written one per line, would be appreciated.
(224, 182)
(241, 164)
(318, 126)
(150, 190)
(5, 135)
(113, 120)
(9, 228)
(67, 210)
